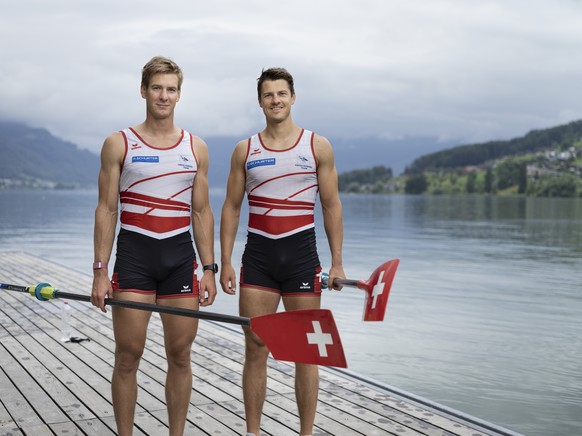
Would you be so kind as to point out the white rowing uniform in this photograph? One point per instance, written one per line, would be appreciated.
(156, 186)
(281, 187)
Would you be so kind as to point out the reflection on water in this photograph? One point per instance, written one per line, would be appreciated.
(484, 314)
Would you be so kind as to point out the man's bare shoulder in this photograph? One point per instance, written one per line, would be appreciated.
(115, 137)
(114, 143)
(320, 141)
(243, 143)
(198, 141)
(239, 154)
(322, 149)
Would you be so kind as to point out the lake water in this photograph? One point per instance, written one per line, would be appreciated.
(485, 313)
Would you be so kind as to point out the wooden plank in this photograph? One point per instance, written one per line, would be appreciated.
(39, 382)
(150, 425)
(52, 358)
(198, 420)
(22, 396)
(392, 406)
(5, 418)
(96, 427)
(8, 430)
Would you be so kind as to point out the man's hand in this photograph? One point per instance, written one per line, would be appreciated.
(207, 289)
(335, 272)
(101, 289)
(228, 279)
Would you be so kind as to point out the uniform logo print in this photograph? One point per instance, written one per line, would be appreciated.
(303, 162)
(185, 288)
(146, 159)
(185, 162)
(261, 163)
(305, 285)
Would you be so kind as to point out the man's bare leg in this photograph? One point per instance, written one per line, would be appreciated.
(254, 381)
(179, 334)
(306, 376)
(130, 331)
(306, 392)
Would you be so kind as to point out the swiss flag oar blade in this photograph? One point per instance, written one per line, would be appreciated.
(303, 336)
(377, 289)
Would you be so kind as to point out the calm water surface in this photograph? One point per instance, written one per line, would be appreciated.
(484, 313)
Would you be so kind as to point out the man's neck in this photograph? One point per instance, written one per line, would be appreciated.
(279, 135)
(161, 133)
(162, 127)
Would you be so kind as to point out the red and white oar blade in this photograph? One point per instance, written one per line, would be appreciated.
(302, 336)
(377, 289)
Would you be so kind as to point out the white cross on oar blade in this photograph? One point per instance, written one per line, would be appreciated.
(378, 290)
(319, 338)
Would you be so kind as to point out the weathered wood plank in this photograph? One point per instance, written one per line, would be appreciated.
(26, 399)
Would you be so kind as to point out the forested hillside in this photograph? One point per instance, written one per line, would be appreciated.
(560, 137)
(542, 163)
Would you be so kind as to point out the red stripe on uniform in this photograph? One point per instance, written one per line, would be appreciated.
(154, 205)
(277, 225)
(156, 224)
(132, 196)
(273, 203)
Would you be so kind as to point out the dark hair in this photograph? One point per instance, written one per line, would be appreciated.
(160, 65)
(275, 74)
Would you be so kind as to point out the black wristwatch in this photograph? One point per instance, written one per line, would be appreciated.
(212, 267)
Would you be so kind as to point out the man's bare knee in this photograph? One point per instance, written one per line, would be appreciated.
(179, 358)
(127, 361)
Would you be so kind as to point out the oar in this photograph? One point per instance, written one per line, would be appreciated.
(377, 289)
(302, 336)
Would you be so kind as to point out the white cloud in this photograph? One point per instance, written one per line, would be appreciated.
(474, 70)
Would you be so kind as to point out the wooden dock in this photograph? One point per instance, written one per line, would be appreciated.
(49, 387)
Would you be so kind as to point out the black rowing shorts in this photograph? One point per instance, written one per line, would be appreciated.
(164, 267)
(288, 266)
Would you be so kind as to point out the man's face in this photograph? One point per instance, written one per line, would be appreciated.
(276, 99)
(161, 95)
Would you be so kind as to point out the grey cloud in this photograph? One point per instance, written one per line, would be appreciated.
(446, 69)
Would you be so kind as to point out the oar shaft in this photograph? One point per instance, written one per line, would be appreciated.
(338, 282)
(345, 282)
(13, 287)
(231, 319)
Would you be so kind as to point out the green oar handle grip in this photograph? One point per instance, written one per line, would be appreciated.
(42, 291)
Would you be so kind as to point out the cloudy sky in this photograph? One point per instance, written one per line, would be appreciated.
(452, 69)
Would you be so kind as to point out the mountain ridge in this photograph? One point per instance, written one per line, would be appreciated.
(31, 155)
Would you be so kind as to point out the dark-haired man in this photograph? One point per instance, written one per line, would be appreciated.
(281, 169)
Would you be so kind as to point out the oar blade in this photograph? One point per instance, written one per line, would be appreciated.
(377, 289)
(302, 336)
